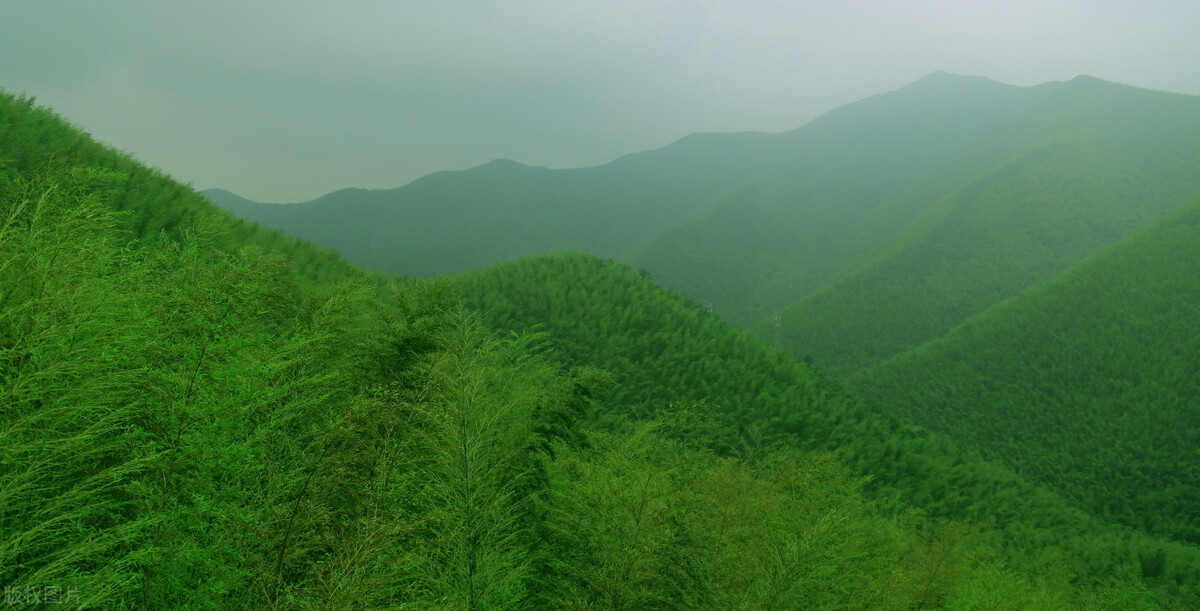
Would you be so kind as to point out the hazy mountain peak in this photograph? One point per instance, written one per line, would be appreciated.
(221, 193)
(228, 200)
(942, 80)
(941, 75)
(505, 164)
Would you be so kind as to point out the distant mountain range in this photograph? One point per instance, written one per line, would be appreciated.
(855, 156)
(757, 223)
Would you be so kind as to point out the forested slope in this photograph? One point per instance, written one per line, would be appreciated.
(1107, 161)
(664, 351)
(187, 422)
(34, 139)
(1089, 382)
(185, 428)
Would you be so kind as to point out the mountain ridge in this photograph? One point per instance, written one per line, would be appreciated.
(1086, 172)
(628, 200)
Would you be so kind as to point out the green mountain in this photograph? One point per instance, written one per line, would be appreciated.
(1090, 163)
(888, 223)
(841, 187)
(188, 420)
(1087, 382)
(666, 351)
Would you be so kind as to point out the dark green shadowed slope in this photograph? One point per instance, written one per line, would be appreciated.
(664, 350)
(1089, 382)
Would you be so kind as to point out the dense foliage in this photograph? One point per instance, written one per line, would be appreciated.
(187, 428)
(664, 351)
(1087, 383)
(197, 413)
(183, 428)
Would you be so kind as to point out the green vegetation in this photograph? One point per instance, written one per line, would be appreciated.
(1086, 383)
(33, 139)
(666, 352)
(834, 191)
(199, 413)
(187, 428)
(643, 522)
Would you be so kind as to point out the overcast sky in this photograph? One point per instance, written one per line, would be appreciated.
(286, 101)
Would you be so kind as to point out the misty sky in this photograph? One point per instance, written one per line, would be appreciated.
(285, 101)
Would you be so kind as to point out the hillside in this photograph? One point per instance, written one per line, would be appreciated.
(189, 420)
(664, 351)
(1087, 383)
(905, 230)
(33, 139)
(1093, 162)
